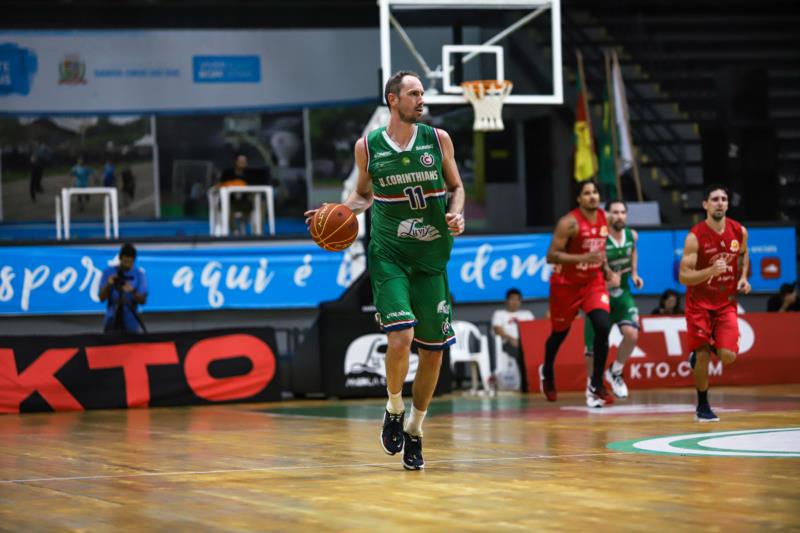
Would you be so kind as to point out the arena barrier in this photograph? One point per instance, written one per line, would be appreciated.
(74, 373)
(769, 353)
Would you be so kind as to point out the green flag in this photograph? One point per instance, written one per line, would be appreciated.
(607, 174)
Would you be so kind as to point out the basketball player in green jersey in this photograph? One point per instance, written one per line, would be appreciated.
(405, 172)
(622, 259)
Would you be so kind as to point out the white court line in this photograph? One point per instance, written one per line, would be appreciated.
(306, 467)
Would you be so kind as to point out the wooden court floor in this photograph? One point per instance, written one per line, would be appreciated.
(511, 463)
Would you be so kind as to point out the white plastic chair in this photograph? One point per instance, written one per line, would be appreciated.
(478, 361)
(506, 368)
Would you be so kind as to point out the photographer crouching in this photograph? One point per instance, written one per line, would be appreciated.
(125, 288)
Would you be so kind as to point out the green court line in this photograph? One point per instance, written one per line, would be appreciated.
(684, 447)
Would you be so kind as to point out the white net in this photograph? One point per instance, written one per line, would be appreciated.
(487, 97)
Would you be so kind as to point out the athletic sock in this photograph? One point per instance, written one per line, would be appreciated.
(617, 367)
(395, 404)
(414, 422)
(702, 397)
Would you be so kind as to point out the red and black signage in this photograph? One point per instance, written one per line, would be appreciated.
(55, 373)
(769, 353)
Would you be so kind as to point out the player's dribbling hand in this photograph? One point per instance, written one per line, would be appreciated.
(310, 214)
(743, 286)
(637, 281)
(613, 280)
(455, 222)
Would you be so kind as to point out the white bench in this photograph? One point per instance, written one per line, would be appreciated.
(110, 209)
(219, 208)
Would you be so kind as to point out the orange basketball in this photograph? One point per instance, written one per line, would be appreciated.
(334, 227)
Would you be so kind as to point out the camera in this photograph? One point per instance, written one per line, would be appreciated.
(121, 279)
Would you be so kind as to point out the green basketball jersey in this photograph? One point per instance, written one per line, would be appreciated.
(410, 200)
(620, 259)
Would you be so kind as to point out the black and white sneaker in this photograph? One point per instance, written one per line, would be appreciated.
(392, 432)
(618, 385)
(412, 452)
(705, 414)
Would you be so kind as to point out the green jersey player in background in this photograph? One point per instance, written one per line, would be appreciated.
(406, 172)
(621, 255)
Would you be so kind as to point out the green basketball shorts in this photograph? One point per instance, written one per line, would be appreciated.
(406, 297)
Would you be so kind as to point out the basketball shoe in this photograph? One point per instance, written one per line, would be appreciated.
(412, 452)
(618, 385)
(598, 396)
(392, 432)
(547, 386)
(705, 414)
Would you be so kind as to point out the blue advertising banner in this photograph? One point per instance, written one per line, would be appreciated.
(66, 279)
(53, 280)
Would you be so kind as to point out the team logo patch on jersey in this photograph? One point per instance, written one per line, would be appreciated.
(426, 159)
(445, 327)
(442, 308)
(734, 245)
(604, 298)
(406, 161)
(413, 228)
(603, 231)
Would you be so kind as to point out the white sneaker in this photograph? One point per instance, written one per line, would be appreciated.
(618, 385)
(592, 399)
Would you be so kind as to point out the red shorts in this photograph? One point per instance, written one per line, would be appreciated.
(716, 327)
(567, 299)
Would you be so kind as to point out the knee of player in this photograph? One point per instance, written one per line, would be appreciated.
(726, 356)
(401, 339)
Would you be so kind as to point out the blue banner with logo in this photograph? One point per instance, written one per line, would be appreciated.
(66, 279)
(169, 71)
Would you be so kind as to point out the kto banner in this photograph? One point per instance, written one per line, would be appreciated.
(161, 71)
(49, 373)
(769, 349)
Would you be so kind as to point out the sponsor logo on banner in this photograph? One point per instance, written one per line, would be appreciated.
(73, 373)
(17, 68)
(767, 353)
(72, 70)
(365, 362)
(413, 228)
(426, 159)
(770, 267)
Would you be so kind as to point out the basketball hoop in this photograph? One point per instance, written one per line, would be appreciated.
(487, 97)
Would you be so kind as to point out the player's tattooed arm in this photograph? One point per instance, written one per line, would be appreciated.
(743, 285)
(689, 275)
(557, 254)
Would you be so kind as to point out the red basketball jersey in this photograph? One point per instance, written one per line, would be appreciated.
(719, 290)
(591, 237)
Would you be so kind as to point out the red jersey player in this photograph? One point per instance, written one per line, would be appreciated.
(578, 283)
(714, 268)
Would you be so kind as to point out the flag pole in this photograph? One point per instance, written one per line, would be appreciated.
(637, 182)
(585, 92)
(613, 122)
